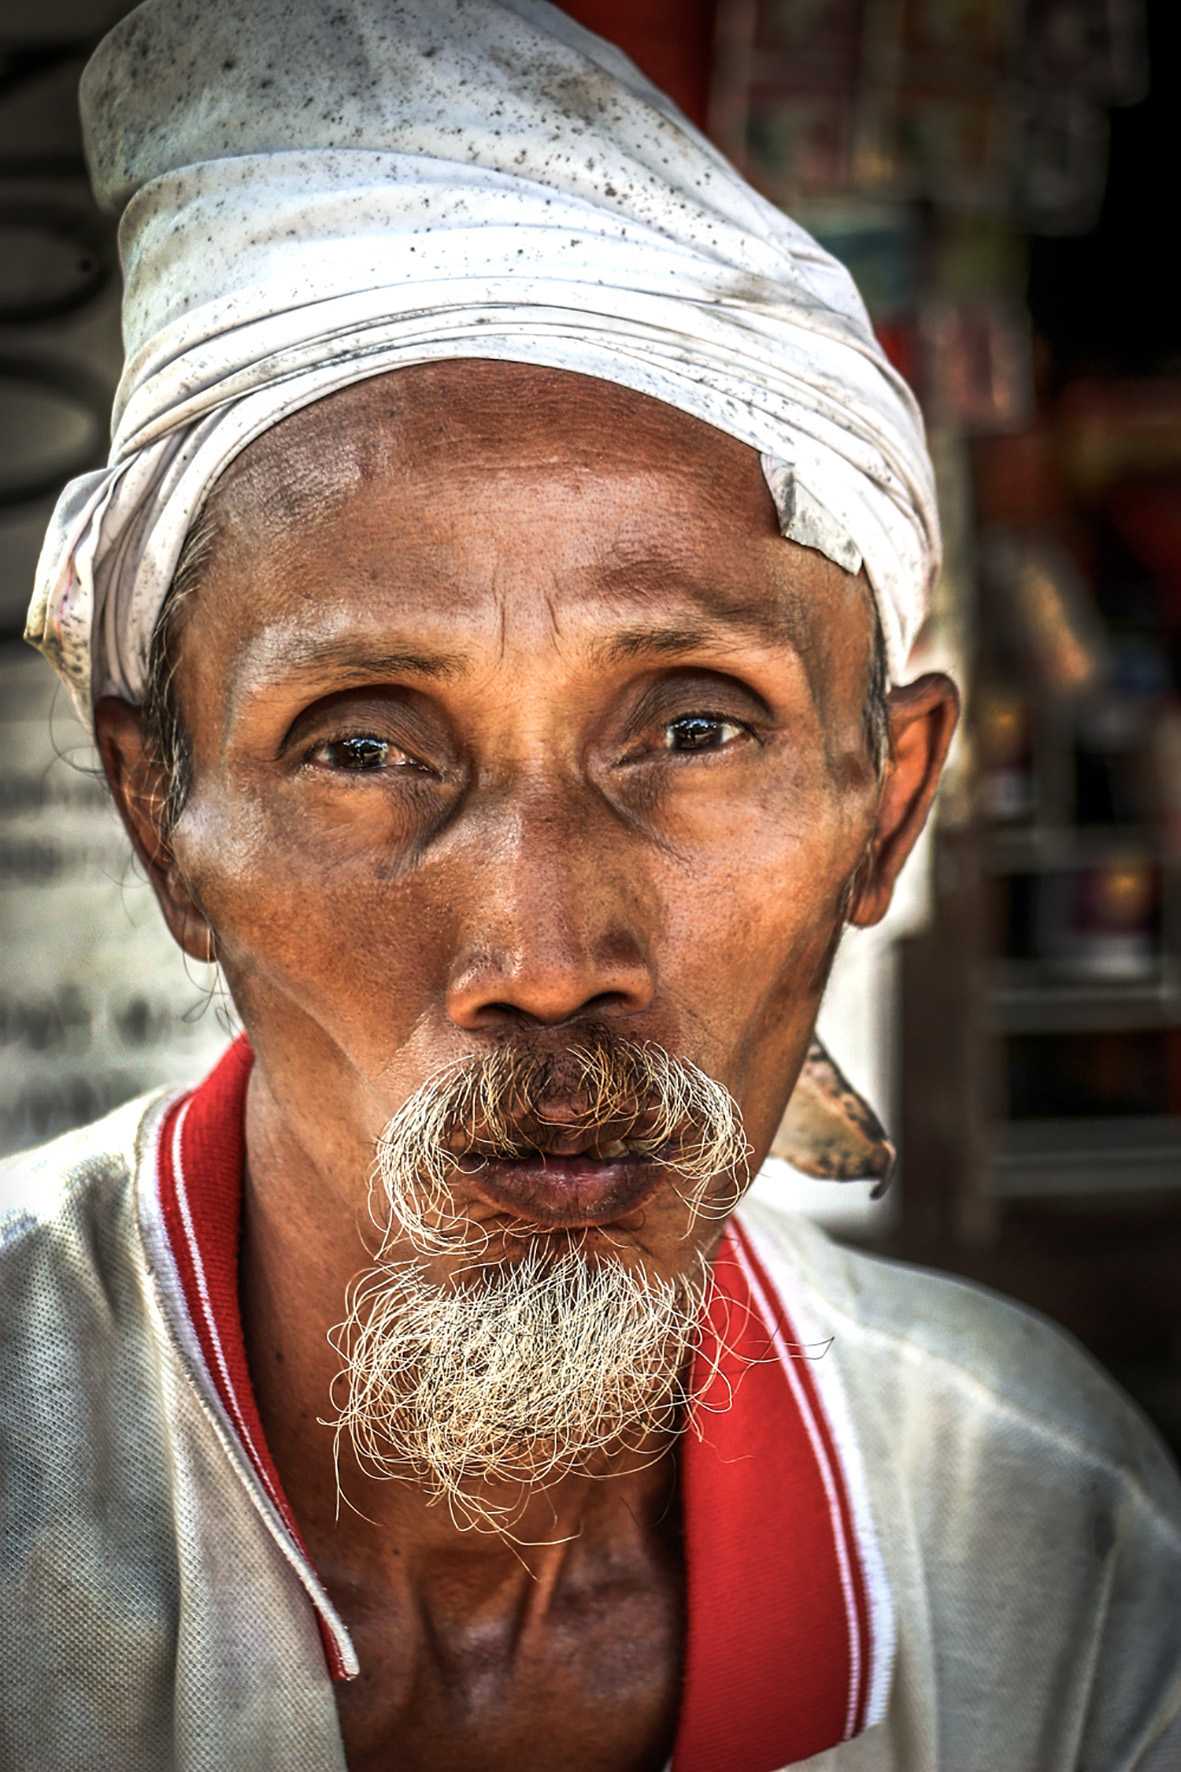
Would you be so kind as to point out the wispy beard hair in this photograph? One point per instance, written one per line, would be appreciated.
(517, 1376)
(525, 1370)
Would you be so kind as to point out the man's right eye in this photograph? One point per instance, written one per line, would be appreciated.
(360, 751)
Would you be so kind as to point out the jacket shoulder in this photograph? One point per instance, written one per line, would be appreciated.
(1028, 1515)
(911, 1332)
(43, 1187)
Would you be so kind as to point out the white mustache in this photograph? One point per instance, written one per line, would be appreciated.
(650, 1103)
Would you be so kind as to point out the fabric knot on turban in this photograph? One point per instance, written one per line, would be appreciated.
(311, 194)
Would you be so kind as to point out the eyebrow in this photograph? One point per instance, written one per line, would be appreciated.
(364, 663)
(342, 661)
(761, 625)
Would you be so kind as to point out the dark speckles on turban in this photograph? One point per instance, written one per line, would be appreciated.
(311, 194)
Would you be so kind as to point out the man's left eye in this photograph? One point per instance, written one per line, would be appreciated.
(700, 732)
(360, 751)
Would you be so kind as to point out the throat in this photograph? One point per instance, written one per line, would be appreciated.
(565, 1657)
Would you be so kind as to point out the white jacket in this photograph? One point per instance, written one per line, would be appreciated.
(1015, 1524)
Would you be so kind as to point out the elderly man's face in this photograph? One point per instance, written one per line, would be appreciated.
(513, 716)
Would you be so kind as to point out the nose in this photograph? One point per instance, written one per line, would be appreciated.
(556, 922)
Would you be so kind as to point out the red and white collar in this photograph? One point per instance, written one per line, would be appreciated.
(790, 1629)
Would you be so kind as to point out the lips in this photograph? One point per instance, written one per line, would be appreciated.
(568, 1191)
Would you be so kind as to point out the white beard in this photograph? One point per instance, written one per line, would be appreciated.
(515, 1377)
(527, 1369)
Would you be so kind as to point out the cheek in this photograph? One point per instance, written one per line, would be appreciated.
(754, 916)
(753, 960)
(307, 921)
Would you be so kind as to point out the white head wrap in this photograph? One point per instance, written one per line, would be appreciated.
(312, 194)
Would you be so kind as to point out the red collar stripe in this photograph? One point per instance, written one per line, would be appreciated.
(200, 1170)
(196, 1287)
(779, 1646)
(796, 1365)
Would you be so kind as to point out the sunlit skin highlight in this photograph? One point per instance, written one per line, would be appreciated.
(510, 712)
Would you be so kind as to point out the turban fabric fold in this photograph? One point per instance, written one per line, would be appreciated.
(312, 192)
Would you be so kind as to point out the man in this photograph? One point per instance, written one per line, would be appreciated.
(485, 622)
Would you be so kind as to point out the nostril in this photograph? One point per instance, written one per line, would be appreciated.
(490, 1013)
(605, 1000)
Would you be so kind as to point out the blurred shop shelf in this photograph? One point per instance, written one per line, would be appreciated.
(1022, 1000)
(1041, 848)
(1105, 1157)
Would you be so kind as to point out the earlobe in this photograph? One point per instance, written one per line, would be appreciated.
(137, 784)
(923, 718)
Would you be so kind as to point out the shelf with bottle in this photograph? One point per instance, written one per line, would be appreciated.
(1084, 923)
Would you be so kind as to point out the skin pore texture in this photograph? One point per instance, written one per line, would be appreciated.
(511, 715)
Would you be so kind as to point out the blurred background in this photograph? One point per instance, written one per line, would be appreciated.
(999, 176)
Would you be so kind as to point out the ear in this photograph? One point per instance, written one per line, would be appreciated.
(923, 718)
(139, 788)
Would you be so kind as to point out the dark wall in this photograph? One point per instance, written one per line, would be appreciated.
(1110, 300)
